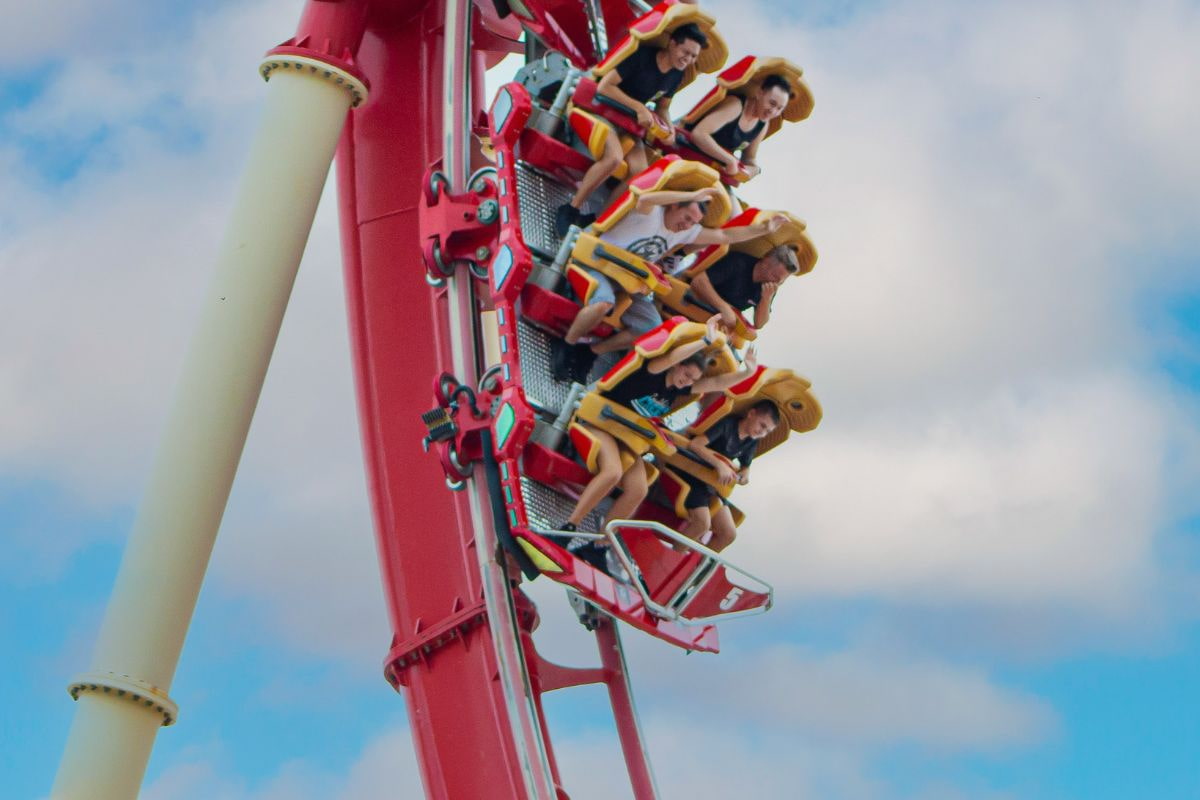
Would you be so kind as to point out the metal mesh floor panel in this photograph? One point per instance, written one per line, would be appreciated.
(540, 387)
(547, 509)
(538, 197)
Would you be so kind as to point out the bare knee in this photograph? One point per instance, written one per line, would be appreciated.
(722, 537)
(637, 492)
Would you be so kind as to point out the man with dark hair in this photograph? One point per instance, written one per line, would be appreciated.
(733, 130)
(733, 439)
(651, 391)
(662, 222)
(739, 280)
(649, 76)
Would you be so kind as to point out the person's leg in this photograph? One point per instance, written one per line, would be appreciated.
(723, 530)
(640, 318)
(599, 171)
(633, 491)
(608, 475)
(588, 317)
(599, 304)
(567, 355)
(697, 524)
(638, 159)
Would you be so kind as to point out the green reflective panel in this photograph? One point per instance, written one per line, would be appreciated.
(504, 424)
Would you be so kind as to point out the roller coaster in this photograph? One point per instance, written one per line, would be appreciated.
(482, 428)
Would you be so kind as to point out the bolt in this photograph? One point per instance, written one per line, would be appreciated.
(482, 253)
(488, 212)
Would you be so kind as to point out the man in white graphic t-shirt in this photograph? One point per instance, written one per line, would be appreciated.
(661, 223)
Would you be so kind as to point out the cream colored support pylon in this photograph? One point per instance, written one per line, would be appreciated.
(122, 700)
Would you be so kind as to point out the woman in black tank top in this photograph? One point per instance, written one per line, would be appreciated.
(741, 123)
(732, 137)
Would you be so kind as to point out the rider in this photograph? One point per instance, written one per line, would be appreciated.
(739, 280)
(651, 391)
(740, 122)
(650, 75)
(662, 222)
(735, 438)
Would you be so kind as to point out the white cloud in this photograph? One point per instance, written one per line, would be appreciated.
(1050, 497)
(385, 766)
(857, 698)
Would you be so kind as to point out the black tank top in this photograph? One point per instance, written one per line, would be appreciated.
(731, 136)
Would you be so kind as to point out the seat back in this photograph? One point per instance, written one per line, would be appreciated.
(792, 395)
(669, 173)
(672, 333)
(792, 233)
(654, 29)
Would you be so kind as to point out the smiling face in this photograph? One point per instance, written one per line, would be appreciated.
(682, 55)
(771, 103)
(681, 376)
(680, 217)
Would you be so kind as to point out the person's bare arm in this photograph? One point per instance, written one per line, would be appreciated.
(762, 310)
(725, 472)
(664, 197)
(742, 233)
(719, 383)
(712, 335)
(726, 111)
(750, 154)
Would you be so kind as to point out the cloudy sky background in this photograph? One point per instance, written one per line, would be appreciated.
(985, 557)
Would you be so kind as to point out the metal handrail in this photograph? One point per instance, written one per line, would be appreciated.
(667, 612)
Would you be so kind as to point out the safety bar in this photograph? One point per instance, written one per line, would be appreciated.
(692, 455)
(688, 297)
(616, 105)
(601, 252)
(648, 433)
(699, 577)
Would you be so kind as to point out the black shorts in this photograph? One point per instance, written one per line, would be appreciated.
(701, 494)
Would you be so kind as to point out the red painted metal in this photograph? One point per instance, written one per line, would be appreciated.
(462, 725)
(461, 648)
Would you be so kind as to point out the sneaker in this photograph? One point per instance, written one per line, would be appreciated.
(583, 220)
(590, 553)
(582, 359)
(561, 360)
(566, 216)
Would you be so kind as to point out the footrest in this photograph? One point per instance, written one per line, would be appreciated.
(681, 580)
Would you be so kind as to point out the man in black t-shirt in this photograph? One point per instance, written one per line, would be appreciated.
(739, 280)
(733, 439)
(651, 391)
(650, 75)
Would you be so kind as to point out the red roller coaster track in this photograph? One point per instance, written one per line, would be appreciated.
(462, 647)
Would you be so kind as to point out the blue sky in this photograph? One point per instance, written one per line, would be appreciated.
(986, 555)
